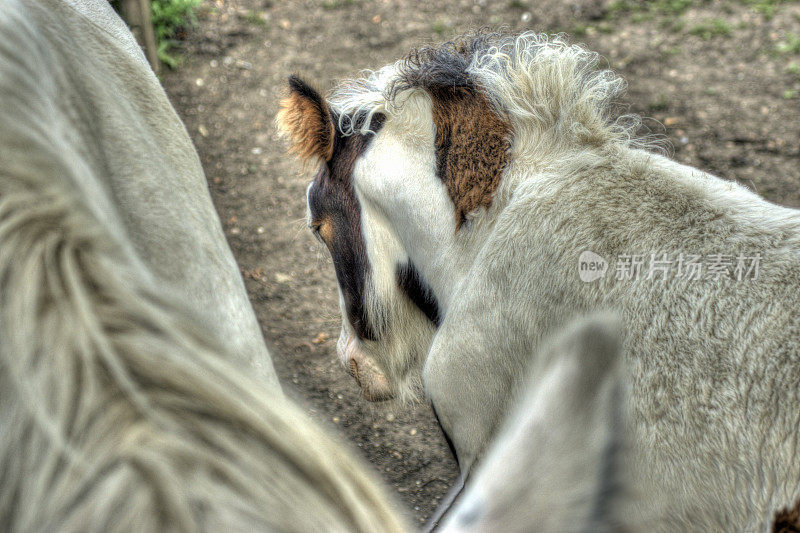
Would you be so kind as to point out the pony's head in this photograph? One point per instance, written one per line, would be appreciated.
(388, 313)
(415, 160)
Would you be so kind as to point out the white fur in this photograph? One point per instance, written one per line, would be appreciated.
(84, 83)
(560, 462)
(714, 366)
(125, 403)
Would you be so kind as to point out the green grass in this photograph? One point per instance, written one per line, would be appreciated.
(337, 4)
(605, 28)
(642, 16)
(790, 45)
(675, 25)
(666, 53)
(651, 7)
(255, 18)
(163, 49)
(766, 7)
(790, 94)
(579, 30)
(674, 7)
(169, 16)
(711, 28)
(659, 103)
(678, 7)
(439, 28)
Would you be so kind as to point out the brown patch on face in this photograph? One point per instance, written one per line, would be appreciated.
(326, 230)
(306, 118)
(472, 145)
(787, 520)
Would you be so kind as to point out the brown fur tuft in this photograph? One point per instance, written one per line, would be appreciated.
(306, 119)
(472, 145)
(787, 520)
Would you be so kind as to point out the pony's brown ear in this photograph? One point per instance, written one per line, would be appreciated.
(306, 119)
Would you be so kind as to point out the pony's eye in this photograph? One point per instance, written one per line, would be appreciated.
(315, 229)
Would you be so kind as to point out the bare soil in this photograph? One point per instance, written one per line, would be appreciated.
(718, 80)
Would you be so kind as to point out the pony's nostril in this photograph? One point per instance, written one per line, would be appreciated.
(354, 370)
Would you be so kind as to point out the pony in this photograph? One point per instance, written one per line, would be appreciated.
(132, 398)
(476, 195)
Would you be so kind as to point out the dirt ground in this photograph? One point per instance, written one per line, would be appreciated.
(719, 80)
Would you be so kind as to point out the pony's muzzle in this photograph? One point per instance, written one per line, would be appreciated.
(374, 384)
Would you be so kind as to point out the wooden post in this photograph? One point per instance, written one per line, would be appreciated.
(136, 14)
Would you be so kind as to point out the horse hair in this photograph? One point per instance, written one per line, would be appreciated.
(119, 411)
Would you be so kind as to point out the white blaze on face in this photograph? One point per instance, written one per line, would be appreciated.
(406, 216)
(407, 213)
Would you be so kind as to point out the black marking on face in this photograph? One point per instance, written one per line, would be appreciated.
(419, 292)
(333, 203)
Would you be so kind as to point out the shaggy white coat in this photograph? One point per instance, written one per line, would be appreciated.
(714, 365)
(136, 393)
(74, 78)
(559, 462)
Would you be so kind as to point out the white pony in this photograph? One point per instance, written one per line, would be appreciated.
(476, 195)
(135, 390)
